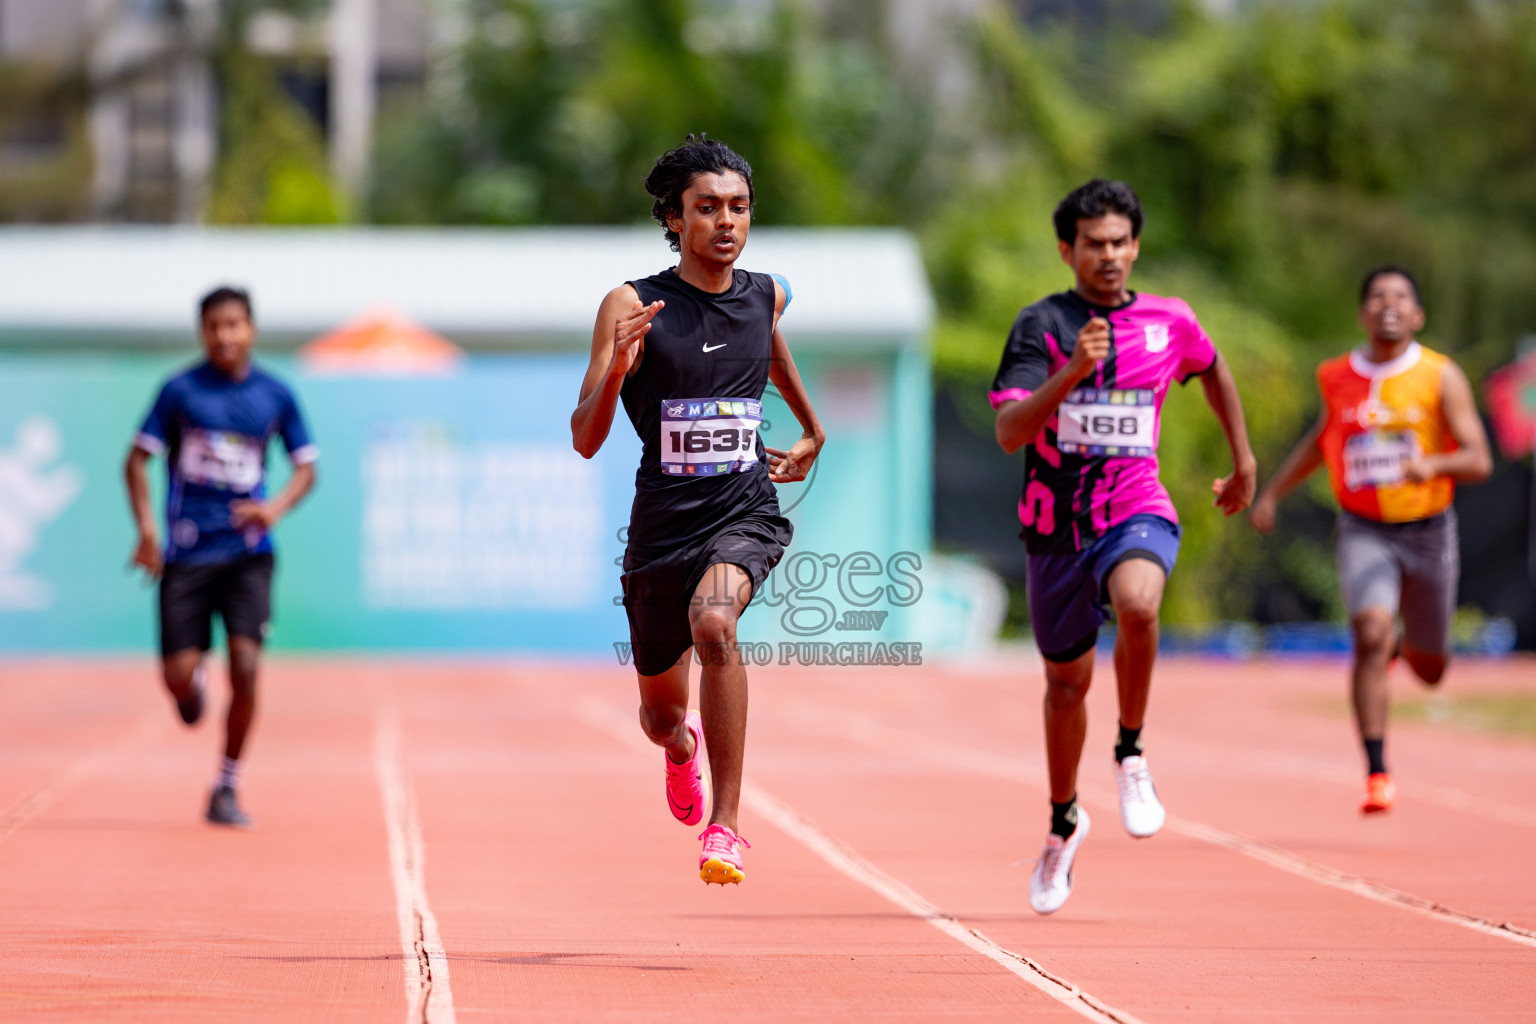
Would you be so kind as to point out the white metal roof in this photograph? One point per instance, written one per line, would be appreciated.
(537, 282)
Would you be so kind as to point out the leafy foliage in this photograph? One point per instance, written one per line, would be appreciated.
(1280, 152)
(272, 166)
(48, 181)
(567, 107)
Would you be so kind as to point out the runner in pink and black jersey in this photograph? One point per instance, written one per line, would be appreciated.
(1080, 388)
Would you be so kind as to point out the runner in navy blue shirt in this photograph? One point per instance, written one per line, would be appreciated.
(214, 423)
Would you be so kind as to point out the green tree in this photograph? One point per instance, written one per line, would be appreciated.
(45, 174)
(568, 107)
(272, 166)
(1280, 152)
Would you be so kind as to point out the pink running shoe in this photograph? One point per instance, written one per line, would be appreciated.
(685, 782)
(721, 860)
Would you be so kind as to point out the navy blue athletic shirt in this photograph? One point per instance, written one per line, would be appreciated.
(702, 345)
(215, 432)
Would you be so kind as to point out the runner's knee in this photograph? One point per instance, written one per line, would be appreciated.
(713, 624)
(1064, 694)
(178, 669)
(244, 662)
(1374, 632)
(662, 722)
(1137, 612)
(1136, 593)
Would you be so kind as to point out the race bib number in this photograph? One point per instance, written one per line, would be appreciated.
(213, 458)
(1375, 458)
(1107, 421)
(709, 436)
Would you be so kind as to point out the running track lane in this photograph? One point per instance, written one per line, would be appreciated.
(1277, 945)
(1176, 927)
(120, 904)
(559, 882)
(565, 891)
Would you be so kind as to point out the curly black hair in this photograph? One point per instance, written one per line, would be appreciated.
(1383, 271)
(676, 169)
(1093, 200)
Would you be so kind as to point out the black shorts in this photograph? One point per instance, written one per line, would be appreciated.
(239, 591)
(657, 591)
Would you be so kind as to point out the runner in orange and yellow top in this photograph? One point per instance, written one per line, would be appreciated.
(1399, 429)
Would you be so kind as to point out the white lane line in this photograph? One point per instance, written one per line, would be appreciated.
(1290, 766)
(850, 863)
(1296, 865)
(895, 741)
(30, 806)
(428, 996)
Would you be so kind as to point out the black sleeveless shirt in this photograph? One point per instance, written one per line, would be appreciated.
(701, 345)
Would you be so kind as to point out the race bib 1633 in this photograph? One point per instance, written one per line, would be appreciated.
(709, 436)
(1108, 421)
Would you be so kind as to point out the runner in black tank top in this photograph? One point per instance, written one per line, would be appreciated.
(700, 346)
(690, 351)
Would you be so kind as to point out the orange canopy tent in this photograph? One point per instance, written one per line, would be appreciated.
(383, 342)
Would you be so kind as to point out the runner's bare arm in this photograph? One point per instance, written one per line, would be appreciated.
(780, 300)
(266, 514)
(1020, 420)
(1235, 492)
(146, 552)
(1472, 461)
(787, 467)
(1300, 464)
(617, 344)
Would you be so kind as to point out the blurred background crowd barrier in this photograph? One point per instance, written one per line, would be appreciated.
(1281, 148)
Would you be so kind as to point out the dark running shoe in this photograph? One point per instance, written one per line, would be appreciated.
(224, 809)
(191, 708)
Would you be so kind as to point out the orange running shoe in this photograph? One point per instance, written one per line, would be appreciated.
(1380, 794)
(721, 860)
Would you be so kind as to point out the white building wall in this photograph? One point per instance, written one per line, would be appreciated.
(42, 27)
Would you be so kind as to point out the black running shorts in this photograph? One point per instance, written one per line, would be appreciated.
(657, 592)
(239, 591)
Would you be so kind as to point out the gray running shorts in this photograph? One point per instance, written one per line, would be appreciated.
(1407, 568)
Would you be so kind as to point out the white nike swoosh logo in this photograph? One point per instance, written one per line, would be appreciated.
(711, 348)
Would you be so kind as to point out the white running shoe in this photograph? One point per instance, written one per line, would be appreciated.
(1140, 809)
(1051, 882)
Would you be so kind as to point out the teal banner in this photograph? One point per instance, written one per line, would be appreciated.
(451, 512)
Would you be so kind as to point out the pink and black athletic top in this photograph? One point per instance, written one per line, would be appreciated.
(1094, 465)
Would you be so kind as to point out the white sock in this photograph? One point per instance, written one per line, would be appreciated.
(229, 773)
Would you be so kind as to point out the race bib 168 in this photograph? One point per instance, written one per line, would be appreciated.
(1108, 421)
(709, 436)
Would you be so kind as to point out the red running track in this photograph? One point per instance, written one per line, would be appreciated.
(442, 841)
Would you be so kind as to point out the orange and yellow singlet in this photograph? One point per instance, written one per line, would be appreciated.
(1379, 415)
